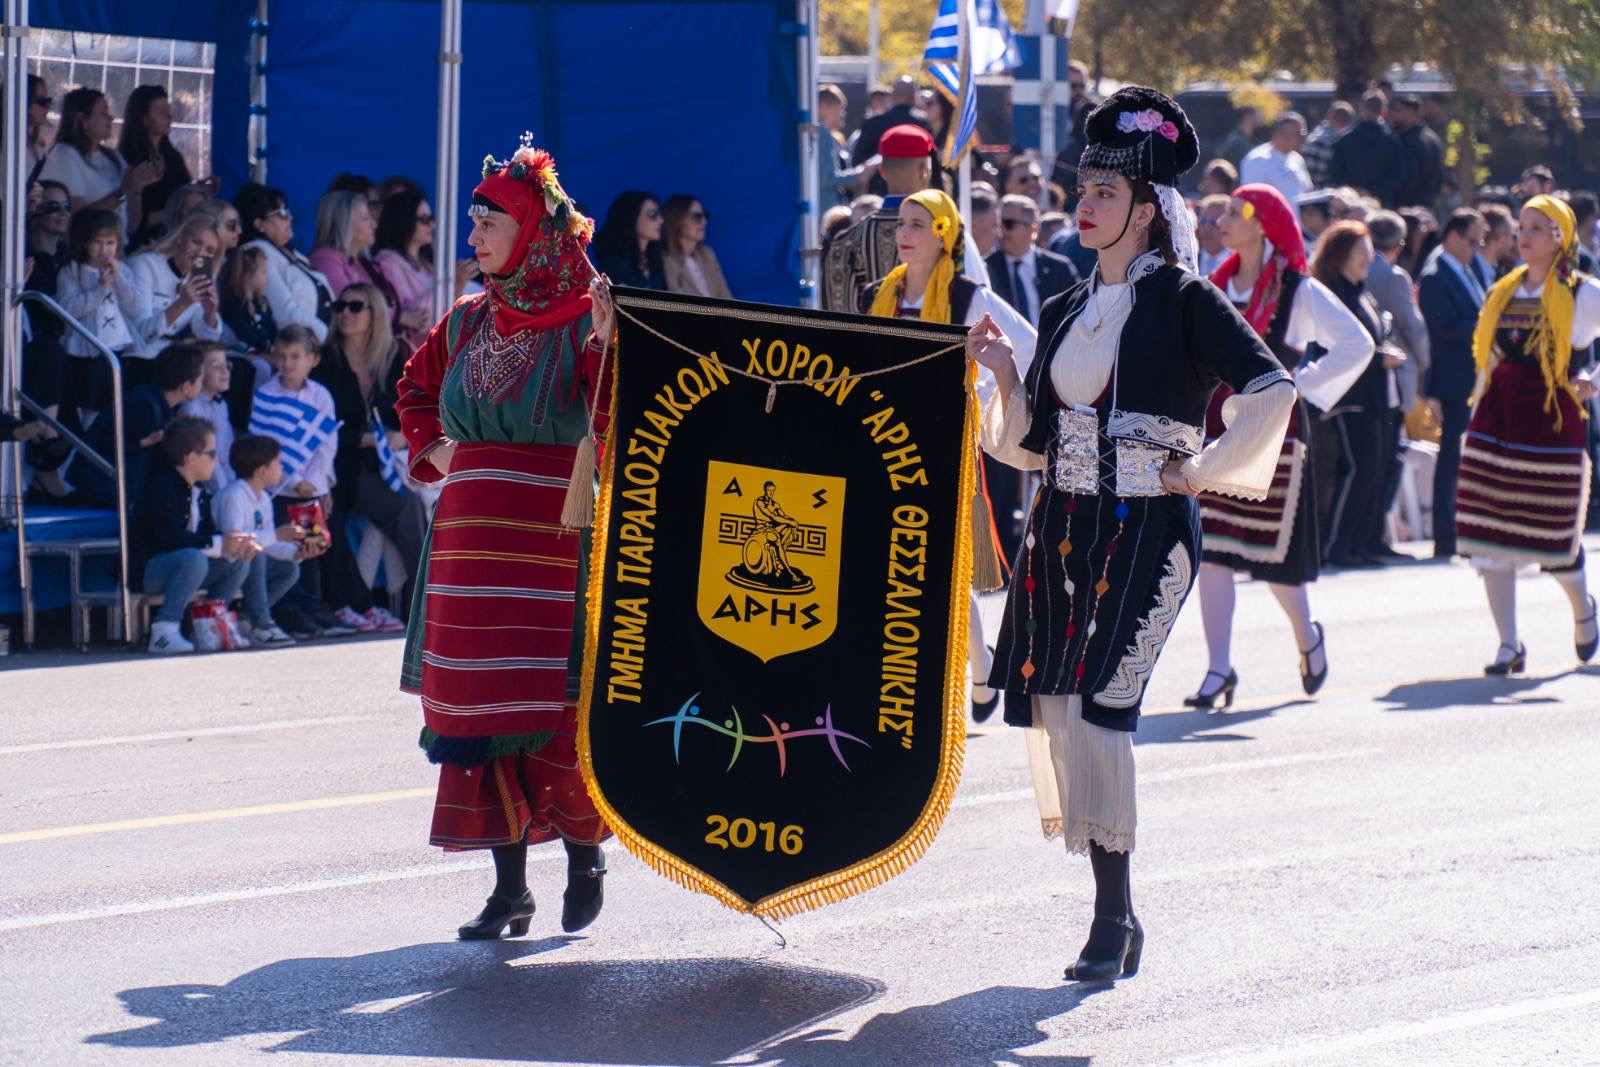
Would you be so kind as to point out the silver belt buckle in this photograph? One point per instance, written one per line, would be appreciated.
(1077, 466)
(1139, 469)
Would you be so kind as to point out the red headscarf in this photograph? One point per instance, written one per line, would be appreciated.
(550, 283)
(1282, 228)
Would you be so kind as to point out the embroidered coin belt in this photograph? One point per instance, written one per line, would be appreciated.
(1077, 461)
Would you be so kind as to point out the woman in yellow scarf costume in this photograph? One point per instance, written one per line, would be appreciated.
(928, 285)
(1525, 471)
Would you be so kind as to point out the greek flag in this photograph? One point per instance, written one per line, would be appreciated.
(299, 429)
(991, 49)
(388, 462)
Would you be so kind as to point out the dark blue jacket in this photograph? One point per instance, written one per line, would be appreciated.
(144, 411)
(1371, 157)
(1451, 312)
(1056, 275)
(160, 520)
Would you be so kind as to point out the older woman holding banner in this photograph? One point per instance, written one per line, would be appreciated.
(497, 403)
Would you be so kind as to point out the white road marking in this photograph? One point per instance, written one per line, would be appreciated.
(1334, 1044)
(26, 922)
(1184, 773)
(180, 735)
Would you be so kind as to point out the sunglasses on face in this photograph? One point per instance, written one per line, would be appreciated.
(230, 224)
(699, 216)
(54, 207)
(653, 214)
(424, 220)
(1079, 86)
(355, 307)
(209, 453)
(1012, 224)
(280, 213)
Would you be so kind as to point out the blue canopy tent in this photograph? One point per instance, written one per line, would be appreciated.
(706, 97)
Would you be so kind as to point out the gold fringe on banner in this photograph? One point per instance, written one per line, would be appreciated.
(577, 509)
(858, 877)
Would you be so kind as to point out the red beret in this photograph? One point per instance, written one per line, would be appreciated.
(905, 142)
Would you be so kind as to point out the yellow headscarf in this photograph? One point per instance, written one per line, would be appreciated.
(1552, 338)
(936, 298)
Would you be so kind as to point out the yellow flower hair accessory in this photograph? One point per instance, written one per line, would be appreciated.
(1248, 211)
(941, 227)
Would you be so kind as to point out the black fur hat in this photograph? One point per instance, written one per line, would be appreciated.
(1140, 133)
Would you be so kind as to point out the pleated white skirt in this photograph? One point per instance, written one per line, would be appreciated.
(1083, 777)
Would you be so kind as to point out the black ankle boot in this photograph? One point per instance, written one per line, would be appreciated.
(499, 913)
(1112, 951)
(586, 894)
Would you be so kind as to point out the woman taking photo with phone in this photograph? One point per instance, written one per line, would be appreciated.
(175, 290)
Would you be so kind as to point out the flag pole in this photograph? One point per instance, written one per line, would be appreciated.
(964, 65)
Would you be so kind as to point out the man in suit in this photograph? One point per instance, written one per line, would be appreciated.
(1370, 157)
(1391, 287)
(1451, 294)
(1024, 276)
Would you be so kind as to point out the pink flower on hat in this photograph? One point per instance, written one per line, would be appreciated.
(1169, 131)
(1148, 120)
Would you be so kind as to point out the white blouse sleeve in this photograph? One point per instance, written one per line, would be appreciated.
(280, 295)
(1586, 316)
(974, 269)
(1320, 316)
(1242, 461)
(1017, 329)
(1004, 424)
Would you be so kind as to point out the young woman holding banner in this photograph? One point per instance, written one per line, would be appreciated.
(1112, 413)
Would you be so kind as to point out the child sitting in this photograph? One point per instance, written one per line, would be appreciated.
(145, 411)
(215, 377)
(174, 548)
(96, 290)
(244, 300)
(244, 507)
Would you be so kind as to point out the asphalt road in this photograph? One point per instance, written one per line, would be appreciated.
(203, 862)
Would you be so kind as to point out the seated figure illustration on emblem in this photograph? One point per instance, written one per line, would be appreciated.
(766, 565)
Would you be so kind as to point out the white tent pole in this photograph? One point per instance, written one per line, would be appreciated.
(15, 89)
(810, 181)
(447, 176)
(1047, 109)
(258, 94)
(964, 64)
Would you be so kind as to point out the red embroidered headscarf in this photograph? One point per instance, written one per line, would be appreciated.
(549, 285)
(1282, 229)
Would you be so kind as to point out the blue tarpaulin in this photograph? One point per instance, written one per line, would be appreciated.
(696, 97)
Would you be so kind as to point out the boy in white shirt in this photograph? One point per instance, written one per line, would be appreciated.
(215, 377)
(298, 413)
(245, 507)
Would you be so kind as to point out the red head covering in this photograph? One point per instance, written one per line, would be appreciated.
(906, 141)
(547, 281)
(1282, 228)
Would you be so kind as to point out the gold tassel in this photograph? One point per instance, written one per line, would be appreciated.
(577, 511)
(986, 573)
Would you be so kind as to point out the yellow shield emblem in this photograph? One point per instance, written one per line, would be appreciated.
(769, 558)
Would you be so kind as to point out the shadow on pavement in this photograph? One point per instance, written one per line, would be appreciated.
(1444, 693)
(480, 1000)
(972, 1030)
(1200, 725)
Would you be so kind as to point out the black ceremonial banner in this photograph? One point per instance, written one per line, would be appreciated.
(774, 696)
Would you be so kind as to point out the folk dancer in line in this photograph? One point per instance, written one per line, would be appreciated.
(1112, 412)
(495, 403)
(930, 284)
(1275, 540)
(1524, 471)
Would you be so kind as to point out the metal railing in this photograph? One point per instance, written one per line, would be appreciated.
(113, 467)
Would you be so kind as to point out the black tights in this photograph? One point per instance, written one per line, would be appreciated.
(511, 864)
(1113, 892)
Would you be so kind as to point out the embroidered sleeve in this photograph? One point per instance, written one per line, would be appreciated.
(1242, 461)
(417, 400)
(1004, 423)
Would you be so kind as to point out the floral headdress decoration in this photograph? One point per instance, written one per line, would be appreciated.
(548, 272)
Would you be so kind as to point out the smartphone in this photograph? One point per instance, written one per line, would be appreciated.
(200, 267)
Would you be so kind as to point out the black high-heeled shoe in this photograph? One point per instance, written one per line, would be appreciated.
(1203, 699)
(1587, 649)
(585, 895)
(1515, 665)
(499, 913)
(1308, 681)
(1127, 947)
(982, 709)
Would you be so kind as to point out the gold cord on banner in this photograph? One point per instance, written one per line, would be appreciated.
(773, 383)
(871, 872)
(577, 509)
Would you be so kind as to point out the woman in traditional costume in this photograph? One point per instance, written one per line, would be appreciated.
(1524, 472)
(496, 402)
(1274, 540)
(929, 285)
(1112, 413)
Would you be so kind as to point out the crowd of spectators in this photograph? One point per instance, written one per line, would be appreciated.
(258, 379)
